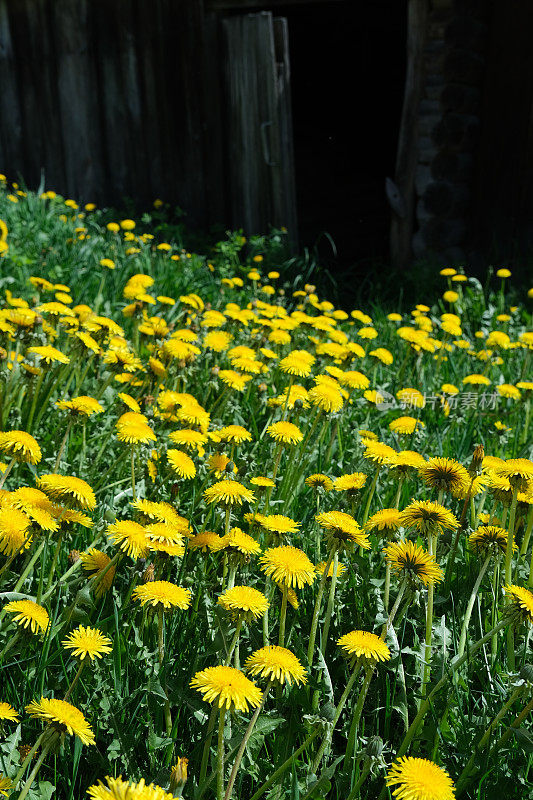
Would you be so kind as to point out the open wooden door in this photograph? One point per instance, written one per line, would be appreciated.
(259, 123)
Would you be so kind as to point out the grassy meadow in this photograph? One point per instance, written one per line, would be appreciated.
(254, 545)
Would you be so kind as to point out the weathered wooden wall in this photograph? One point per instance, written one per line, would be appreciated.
(114, 98)
(448, 124)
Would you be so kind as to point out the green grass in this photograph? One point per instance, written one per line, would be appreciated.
(124, 694)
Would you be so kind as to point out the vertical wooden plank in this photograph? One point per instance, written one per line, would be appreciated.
(78, 105)
(406, 159)
(285, 204)
(10, 113)
(259, 122)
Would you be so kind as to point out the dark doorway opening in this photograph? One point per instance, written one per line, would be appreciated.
(348, 64)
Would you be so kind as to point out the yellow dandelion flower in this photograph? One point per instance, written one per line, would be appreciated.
(378, 452)
(133, 428)
(297, 362)
(229, 493)
(235, 434)
(189, 438)
(353, 379)
(285, 432)
(321, 566)
(6, 784)
(489, 538)
(428, 517)
(7, 712)
(350, 483)
(444, 474)
(476, 380)
(363, 644)
(383, 355)
(96, 561)
(88, 643)
(204, 541)
(244, 602)
(49, 354)
(28, 614)
(412, 561)
(235, 380)
(63, 714)
(163, 593)
(319, 481)
(238, 543)
(518, 471)
(181, 463)
(385, 521)
(119, 789)
(405, 425)
(262, 482)
(227, 687)
(130, 401)
(277, 664)
(411, 397)
(68, 489)
(81, 406)
(14, 525)
(419, 779)
(343, 530)
(521, 603)
(288, 566)
(131, 537)
(327, 397)
(20, 446)
(278, 523)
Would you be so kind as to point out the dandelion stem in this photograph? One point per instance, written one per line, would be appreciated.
(338, 711)
(207, 745)
(453, 666)
(75, 679)
(508, 574)
(7, 471)
(371, 494)
(283, 616)
(29, 757)
(234, 641)
(527, 533)
(432, 541)
(62, 445)
(27, 786)
(29, 566)
(470, 606)
(246, 737)
(464, 777)
(316, 610)
(285, 766)
(220, 754)
(331, 599)
(133, 471)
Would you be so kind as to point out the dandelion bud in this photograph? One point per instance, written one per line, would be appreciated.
(526, 673)
(73, 556)
(178, 776)
(374, 747)
(262, 387)
(215, 370)
(24, 750)
(477, 460)
(298, 404)
(148, 574)
(327, 711)
(230, 467)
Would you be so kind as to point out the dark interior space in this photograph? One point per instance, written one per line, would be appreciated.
(348, 65)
